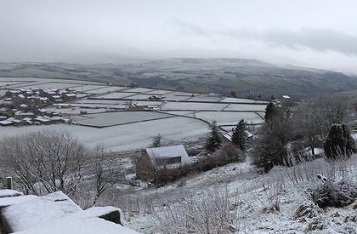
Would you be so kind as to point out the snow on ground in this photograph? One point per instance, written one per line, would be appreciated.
(193, 106)
(251, 197)
(240, 100)
(228, 118)
(116, 118)
(9, 193)
(115, 95)
(204, 98)
(105, 89)
(245, 107)
(124, 137)
(138, 97)
(139, 90)
(175, 96)
(56, 213)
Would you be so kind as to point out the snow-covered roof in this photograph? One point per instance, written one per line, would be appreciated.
(42, 119)
(286, 96)
(169, 152)
(20, 113)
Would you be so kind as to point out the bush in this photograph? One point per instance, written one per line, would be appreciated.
(339, 142)
(333, 193)
(207, 213)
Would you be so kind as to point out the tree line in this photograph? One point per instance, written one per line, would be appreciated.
(291, 128)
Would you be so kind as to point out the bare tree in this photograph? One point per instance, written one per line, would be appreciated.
(48, 161)
(314, 117)
(106, 171)
(44, 162)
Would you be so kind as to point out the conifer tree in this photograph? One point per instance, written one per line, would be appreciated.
(339, 142)
(239, 136)
(271, 110)
(213, 141)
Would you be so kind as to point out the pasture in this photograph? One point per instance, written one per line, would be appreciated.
(99, 117)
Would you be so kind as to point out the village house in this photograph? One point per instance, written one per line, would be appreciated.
(156, 158)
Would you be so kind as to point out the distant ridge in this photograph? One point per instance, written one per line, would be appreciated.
(241, 77)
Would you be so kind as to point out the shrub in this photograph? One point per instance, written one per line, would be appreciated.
(339, 142)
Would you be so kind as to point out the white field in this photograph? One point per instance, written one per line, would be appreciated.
(182, 113)
(178, 93)
(9, 83)
(192, 106)
(96, 101)
(229, 118)
(106, 89)
(124, 137)
(176, 97)
(244, 107)
(98, 105)
(116, 118)
(139, 97)
(75, 110)
(159, 92)
(240, 100)
(205, 99)
(115, 95)
(92, 86)
(139, 90)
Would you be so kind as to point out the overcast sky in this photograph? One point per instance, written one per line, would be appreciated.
(313, 33)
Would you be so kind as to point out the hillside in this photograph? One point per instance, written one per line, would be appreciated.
(236, 199)
(245, 77)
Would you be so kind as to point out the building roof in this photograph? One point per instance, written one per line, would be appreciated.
(169, 152)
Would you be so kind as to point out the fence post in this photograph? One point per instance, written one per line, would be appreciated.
(8, 183)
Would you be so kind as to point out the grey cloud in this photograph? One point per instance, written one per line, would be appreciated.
(322, 40)
(188, 28)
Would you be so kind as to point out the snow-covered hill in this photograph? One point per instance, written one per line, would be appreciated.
(236, 199)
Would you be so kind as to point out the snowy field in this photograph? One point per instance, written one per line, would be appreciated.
(183, 113)
(97, 101)
(240, 100)
(75, 110)
(9, 83)
(138, 97)
(106, 89)
(115, 95)
(188, 106)
(228, 118)
(117, 118)
(124, 137)
(204, 99)
(176, 97)
(138, 90)
(159, 92)
(237, 194)
(100, 114)
(243, 107)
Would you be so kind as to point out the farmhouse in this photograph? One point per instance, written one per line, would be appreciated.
(160, 157)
